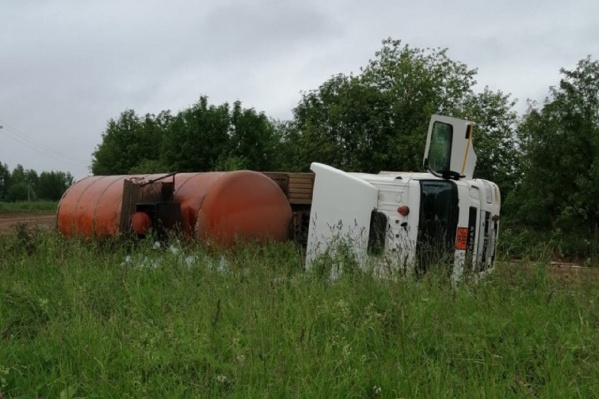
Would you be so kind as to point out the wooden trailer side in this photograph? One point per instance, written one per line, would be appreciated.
(298, 188)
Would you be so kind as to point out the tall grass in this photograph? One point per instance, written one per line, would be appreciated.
(28, 206)
(84, 319)
(517, 241)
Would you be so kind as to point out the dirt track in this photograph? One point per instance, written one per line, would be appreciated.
(9, 220)
(558, 271)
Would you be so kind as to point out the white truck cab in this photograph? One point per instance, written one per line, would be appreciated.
(406, 222)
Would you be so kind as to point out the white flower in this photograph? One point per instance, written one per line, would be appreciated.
(190, 260)
(223, 265)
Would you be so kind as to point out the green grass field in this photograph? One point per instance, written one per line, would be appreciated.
(88, 320)
(28, 207)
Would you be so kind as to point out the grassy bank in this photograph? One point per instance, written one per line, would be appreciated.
(28, 207)
(81, 319)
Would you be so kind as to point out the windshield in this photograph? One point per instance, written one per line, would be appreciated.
(439, 154)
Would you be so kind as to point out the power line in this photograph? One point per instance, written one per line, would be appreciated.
(25, 140)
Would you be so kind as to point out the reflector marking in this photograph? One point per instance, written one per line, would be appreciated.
(461, 241)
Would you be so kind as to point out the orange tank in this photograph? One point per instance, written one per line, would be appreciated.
(221, 207)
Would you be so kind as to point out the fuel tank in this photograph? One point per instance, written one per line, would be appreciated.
(220, 207)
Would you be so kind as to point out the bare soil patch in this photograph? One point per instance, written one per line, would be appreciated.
(8, 221)
(559, 271)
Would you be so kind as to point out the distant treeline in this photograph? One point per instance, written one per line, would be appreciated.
(546, 161)
(26, 185)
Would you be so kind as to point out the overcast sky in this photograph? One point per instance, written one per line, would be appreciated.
(68, 66)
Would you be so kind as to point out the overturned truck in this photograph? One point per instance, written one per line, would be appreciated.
(397, 221)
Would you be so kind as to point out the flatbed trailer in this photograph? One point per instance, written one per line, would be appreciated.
(299, 189)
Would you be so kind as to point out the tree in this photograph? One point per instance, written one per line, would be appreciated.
(560, 140)
(495, 138)
(129, 143)
(287, 157)
(197, 137)
(17, 192)
(22, 184)
(18, 175)
(4, 180)
(52, 185)
(253, 141)
(377, 120)
(201, 138)
(208, 137)
(343, 123)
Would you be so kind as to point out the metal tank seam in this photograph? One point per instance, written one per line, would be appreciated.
(120, 178)
(81, 195)
(61, 198)
(187, 181)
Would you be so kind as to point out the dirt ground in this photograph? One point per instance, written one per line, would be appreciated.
(562, 272)
(8, 221)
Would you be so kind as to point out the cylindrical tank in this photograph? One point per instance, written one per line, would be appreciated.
(222, 207)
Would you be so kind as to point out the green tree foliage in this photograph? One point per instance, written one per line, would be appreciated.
(196, 137)
(495, 137)
(4, 180)
(22, 184)
(343, 123)
(560, 139)
(52, 185)
(368, 122)
(208, 137)
(415, 84)
(128, 142)
(18, 175)
(18, 192)
(377, 120)
(253, 141)
(25, 184)
(203, 137)
(286, 157)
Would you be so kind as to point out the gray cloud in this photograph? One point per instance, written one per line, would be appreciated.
(67, 66)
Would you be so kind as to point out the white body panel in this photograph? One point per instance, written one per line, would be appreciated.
(341, 208)
(396, 190)
(348, 207)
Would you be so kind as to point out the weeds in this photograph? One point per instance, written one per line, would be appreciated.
(77, 319)
(526, 243)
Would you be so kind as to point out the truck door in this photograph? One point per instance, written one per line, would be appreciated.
(437, 224)
(449, 152)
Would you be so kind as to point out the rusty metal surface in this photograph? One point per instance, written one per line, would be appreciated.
(217, 206)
